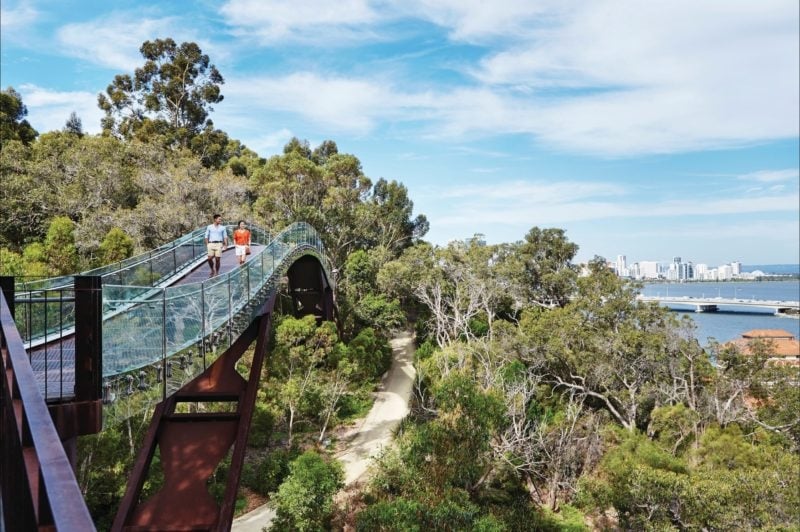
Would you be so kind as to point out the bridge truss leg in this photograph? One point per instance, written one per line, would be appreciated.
(191, 445)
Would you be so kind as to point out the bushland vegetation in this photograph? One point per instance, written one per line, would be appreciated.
(549, 397)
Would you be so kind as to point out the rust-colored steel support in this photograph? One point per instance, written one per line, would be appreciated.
(191, 445)
(83, 414)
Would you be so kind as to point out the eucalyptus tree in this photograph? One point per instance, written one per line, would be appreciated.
(543, 267)
(399, 278)
(391, 217)
(605, 347)
(13, 125)
(330, 190)
(359, 300)
(462, 287)
(288, 188)
(176, 193)
(59, 244)
(116, 246)
(27, 202)
(730, 481)
(63, 174)
(304, 501)
(300, 349)
(74, 124)
(169, 97)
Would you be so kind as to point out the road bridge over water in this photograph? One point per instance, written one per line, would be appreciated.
(713, 304)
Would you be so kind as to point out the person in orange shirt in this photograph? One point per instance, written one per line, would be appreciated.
(241, 239)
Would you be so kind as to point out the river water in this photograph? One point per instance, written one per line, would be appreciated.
(728, 325)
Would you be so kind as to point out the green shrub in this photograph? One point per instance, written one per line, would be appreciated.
(425, 350)
(266, 475)
(261, 426)
(304, 501)
(399, 515)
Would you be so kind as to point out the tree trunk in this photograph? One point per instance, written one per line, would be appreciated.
(324, 427)
(291, 422)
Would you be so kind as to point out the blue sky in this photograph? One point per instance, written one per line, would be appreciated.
(649, 129)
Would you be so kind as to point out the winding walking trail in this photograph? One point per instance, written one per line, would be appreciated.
(374, 433)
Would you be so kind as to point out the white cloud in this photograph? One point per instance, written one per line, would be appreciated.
(613, 78)
(412, 156)
(344, 105)
(49, 110)
(772, 176)
(270, 142)
(480, 21)
(763, 229)
(313, 20)
(625, 78)
(523, 204)
(745, 205)
(113, 40)
(534, 192)
(18, 18)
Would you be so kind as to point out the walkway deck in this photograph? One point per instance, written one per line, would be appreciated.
(53, 362)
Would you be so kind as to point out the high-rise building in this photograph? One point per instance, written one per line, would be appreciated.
(648, 269)
(700, 271)
(685, 271)
(736, 268)
(674, 270)
(622, 266)
(724, 272)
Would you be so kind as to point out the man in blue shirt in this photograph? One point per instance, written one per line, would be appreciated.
(216, 240)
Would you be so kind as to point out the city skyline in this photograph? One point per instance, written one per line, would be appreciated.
(679, 269)
(683, 259)
(637, 127)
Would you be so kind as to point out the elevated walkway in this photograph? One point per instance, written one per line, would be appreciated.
(164, 320)
(156, 328)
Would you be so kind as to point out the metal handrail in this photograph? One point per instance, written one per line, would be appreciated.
(37, 482)
(120, 273)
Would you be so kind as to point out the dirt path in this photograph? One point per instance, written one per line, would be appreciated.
(374, 432)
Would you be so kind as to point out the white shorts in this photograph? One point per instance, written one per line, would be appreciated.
(241, 251)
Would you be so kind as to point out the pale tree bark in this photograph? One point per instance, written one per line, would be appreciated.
(336, 387)
(549, 458)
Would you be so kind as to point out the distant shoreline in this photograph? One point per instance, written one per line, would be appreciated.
(765, 278)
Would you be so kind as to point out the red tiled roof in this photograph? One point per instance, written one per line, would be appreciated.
(784, 347)
(768, 333)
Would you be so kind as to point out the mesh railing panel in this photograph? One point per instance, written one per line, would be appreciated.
(152, 269)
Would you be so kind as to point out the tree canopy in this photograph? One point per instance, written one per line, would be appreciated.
(13, 125)
(169, 98)
(329, 190)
